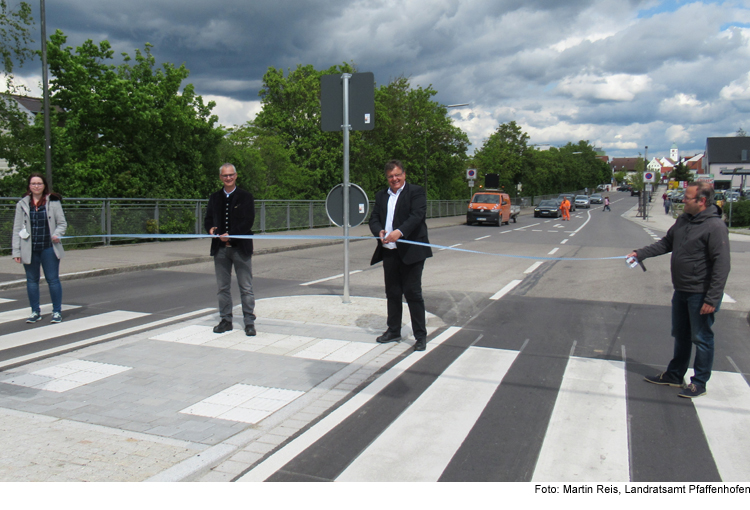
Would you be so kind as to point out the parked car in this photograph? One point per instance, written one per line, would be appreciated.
(625, 187)
(596, 198)
(732, 196)
(677, 197)
(583, 201)
(547, 209)
(571, 198)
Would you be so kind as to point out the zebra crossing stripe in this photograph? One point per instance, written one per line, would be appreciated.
(423, 440)
(65, 328)
(276, 461)
(724, 414)
(23, 313)
(587, 437)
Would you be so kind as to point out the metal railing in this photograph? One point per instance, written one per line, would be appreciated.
(112, 216)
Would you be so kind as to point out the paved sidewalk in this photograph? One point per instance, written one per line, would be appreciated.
(656, 219)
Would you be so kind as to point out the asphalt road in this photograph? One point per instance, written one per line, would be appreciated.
(541, 318)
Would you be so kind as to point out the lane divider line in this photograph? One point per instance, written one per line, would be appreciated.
(330, 278)
(512, 285)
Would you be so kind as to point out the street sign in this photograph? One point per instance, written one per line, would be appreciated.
(648, 177)
(471, 183)
(361, 102)
(358, 205)
(471, 173)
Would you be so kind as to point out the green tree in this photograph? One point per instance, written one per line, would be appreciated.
(544, 173)
(681, 173)
(504, 153)
(412, 127)
(128, 130)
(409, 126)
(291, 114)
(15, 38)
(263, 164)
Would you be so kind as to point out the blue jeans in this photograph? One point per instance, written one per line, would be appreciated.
(51, 265)
(224, 259)
(690, 327)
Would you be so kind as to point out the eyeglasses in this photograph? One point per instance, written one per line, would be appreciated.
(395, 176)
(228, 176)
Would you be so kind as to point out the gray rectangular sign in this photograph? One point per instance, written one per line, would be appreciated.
(361, 102)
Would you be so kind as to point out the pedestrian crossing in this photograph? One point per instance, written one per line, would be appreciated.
(586, 438)
(21, 342)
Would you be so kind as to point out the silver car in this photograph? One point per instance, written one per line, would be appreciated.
(583, 201)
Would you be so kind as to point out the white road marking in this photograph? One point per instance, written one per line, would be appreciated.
(563, 241)
(100, 338)
(527, 226)
(65, 328)
(480, 238)
(453, 246)
(444, 415)
(301, 443)
(553, 251)
(330, 278)
(23, 313)
(591, 404)
(533, 267)
(727, 299)
(723, 413)
(512, 285)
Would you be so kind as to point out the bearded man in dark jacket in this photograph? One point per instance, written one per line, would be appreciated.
(699, 243)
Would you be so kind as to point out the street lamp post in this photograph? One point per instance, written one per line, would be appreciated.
(45, 95)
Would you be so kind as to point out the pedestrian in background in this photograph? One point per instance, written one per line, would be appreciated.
(565, 208)
(39, 223)
(699, 243)
(667, 205)
(606, 204)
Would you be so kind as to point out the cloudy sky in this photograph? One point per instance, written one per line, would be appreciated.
(623, 74)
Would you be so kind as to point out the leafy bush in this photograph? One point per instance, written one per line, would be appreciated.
(740, 213)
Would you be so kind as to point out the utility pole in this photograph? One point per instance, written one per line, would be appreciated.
(45, 95)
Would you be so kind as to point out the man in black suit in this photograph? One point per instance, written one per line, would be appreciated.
(399, 212)
(231, 211)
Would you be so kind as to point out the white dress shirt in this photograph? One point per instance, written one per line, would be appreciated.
(392, 199)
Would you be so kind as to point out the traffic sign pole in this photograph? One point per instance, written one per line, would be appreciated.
(346, 127)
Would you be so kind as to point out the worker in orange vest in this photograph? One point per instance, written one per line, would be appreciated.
(565, 208)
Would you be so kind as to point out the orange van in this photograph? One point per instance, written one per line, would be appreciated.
(491, 206)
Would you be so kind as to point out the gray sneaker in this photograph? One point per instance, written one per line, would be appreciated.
(34, 317)
(56, 317)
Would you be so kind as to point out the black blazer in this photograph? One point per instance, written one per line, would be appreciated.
(241, 218)
(409, 218)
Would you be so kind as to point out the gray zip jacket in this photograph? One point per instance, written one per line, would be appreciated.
(57, 227)
(700, 253)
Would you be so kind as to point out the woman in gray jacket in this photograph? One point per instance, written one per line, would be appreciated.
(38, 226)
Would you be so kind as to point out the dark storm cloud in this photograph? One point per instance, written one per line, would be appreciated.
(593, 69)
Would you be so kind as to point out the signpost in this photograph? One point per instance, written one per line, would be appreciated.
(337, 95)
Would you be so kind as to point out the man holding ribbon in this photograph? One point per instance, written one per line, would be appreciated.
(399, 213)
(231, 212)
(699, 243)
